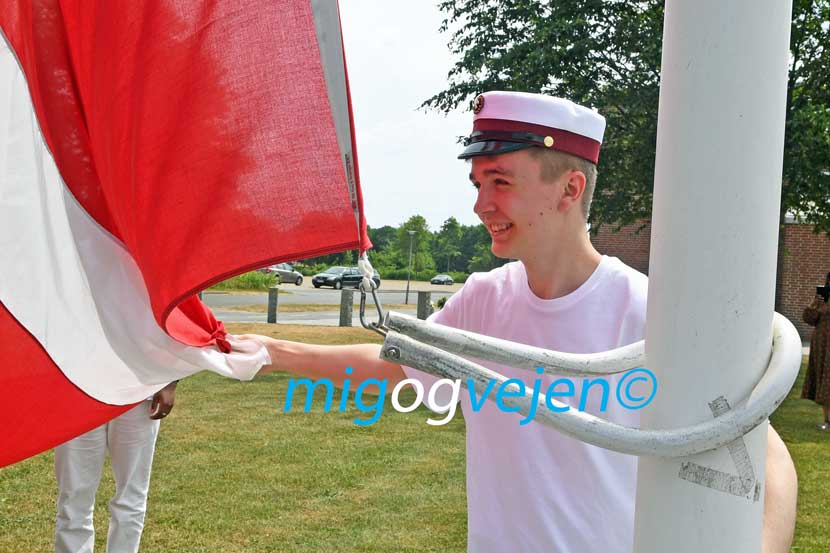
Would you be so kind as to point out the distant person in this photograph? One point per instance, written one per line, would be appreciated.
(131, 441)
(817, 382)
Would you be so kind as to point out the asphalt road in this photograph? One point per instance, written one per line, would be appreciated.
(303, 295)
(321, 318)
(222, 304)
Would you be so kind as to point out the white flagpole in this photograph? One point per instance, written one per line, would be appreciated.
(713, 260)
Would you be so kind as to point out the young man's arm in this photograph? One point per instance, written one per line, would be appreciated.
(316, 362)
(779, 497)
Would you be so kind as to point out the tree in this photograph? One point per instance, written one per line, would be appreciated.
(421, 257)
(481, 257)
(471, 236)
(383, 237)
(447, 242)
(484, 260)
(606, 54)
(806, 189)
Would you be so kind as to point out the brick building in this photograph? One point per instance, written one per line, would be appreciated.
(806, 262)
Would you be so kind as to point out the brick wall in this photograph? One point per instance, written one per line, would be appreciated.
(806, 262)
(627, 244)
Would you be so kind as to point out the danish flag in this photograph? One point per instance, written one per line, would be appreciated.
(147, 151)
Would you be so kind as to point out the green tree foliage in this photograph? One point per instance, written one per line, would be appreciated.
(807, 140)
(606, 54)
(482, 258)
(471, 236)
(465, 247)
(346, 258)
(447, 243)
(422, 259)
(383, 237)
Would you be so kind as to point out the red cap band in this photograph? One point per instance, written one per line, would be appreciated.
(563, 141)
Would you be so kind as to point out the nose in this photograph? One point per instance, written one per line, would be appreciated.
(484, 201)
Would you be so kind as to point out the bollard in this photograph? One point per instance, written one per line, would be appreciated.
(424, 305)
(273, 298)
(346, 307)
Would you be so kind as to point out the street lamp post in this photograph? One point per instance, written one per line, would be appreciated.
(409, 267)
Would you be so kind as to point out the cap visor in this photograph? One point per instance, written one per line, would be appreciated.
(492, 148)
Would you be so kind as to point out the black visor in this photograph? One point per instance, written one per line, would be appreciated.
(492, 148)
(491, 143)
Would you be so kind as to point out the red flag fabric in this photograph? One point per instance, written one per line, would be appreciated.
(149, 150)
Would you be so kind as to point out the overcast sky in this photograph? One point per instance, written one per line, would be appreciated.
(397, 59)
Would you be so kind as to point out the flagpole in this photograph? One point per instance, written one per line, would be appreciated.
(713, 260)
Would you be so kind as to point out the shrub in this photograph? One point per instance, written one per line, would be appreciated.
(247, 281)
(458, 276)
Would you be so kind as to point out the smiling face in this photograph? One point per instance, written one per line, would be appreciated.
(524, 213)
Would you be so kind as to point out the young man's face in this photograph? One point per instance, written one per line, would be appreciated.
(520, 210)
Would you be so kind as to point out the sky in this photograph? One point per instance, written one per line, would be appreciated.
(407, 157)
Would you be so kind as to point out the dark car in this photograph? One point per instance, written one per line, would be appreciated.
(341, 277)
(284, 273)
(442, 279)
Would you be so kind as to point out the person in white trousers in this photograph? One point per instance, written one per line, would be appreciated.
(131, 439)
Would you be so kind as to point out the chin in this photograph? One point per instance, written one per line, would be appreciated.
(502, 251)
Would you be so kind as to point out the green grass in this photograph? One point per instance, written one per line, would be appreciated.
(233, 473)
(796, 421)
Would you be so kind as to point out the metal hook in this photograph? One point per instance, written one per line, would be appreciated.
(378, 326)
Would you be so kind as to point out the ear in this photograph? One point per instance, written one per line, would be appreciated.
(573, 187)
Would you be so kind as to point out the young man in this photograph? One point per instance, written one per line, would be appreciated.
(530, 488)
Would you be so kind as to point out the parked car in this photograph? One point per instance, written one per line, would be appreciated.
(442, 279)
(284, 273)
(340, 277)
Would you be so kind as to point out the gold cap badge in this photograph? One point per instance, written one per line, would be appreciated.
(548, 141)
(478, 103)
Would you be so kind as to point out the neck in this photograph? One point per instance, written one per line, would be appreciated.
(562, 267)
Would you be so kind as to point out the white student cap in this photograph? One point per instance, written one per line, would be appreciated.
(509, 121)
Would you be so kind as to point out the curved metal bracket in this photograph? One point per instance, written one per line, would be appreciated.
(505, 352)
(770, 391)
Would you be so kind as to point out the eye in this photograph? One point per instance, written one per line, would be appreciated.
(500, 182)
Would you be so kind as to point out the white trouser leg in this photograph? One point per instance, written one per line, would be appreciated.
(78, 465)
(132, 440)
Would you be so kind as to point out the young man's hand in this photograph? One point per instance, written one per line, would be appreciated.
(163, 401)
(269, 344)
(317, 361)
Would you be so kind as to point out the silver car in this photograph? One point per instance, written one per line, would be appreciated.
(284, 273)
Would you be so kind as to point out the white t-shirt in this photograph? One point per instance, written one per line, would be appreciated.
(530, 488)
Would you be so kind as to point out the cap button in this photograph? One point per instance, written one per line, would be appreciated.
(548, 141)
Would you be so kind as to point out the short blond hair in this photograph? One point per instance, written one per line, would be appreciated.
(555, 163)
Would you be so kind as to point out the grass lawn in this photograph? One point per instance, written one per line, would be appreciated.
(795, 420)
(233, 473)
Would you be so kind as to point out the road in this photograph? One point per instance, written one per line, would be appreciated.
(391, 292)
